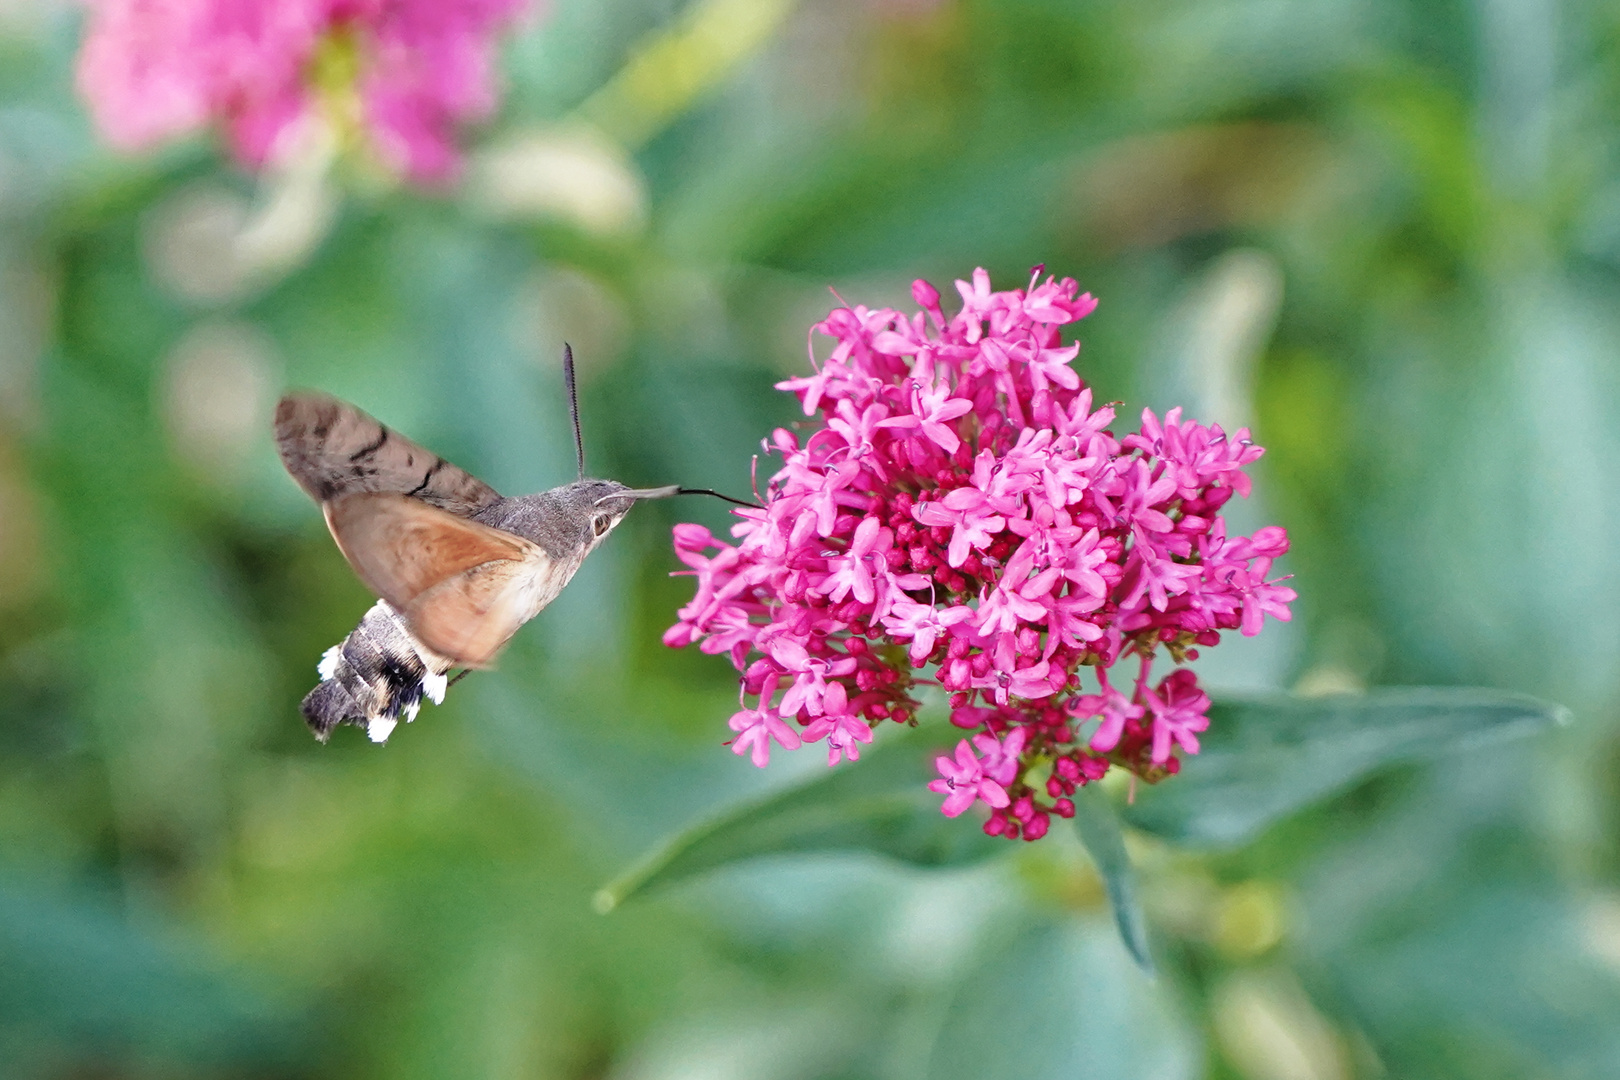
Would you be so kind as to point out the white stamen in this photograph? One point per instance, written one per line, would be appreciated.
(380, 728)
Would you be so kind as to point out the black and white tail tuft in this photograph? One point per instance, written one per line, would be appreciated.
(376, 675)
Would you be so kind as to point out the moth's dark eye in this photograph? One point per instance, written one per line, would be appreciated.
(601, 525)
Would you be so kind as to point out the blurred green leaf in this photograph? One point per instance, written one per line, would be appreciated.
(1060, 1000)
(1266, 757)
(1098, 824)
(78, 983)
(880, 804)
(1442, 1006)
(1440, 926)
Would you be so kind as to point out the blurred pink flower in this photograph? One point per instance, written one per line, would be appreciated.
(153, 70)
(965, 517)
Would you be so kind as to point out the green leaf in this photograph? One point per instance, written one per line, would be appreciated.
(880, 804)
(77, 980)
(1057, 1000)
(1265, 758)
(1100, 832)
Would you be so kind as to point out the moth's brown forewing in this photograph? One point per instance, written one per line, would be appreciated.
(333, 449)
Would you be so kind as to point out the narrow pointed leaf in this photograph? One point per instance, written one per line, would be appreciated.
(1098, 824)
(879, 804)
(1265, 758)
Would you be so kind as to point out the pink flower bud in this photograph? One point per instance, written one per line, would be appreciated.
(926, 296)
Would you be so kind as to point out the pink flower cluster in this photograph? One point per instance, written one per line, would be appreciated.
(963, 515)
(155, 69)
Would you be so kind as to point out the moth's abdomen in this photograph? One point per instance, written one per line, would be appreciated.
(376, 675)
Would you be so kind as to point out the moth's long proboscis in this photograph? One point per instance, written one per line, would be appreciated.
(716, 494)
(671, 490)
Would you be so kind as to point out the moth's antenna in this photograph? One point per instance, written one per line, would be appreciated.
(573, 405)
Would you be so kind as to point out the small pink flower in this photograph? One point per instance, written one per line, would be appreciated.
(1260, 597)
(963, 781)
(1001, 756)
(1179, 709)
(755, 729)
(852, 572)
(932, 412)
(844, 735)
(811, 687)
(923, 624)
(1116, 711)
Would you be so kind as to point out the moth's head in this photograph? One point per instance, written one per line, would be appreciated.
(599, 505)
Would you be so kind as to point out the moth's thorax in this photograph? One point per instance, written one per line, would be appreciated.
(561, 521)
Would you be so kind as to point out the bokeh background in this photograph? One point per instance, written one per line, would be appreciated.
(1384, 233)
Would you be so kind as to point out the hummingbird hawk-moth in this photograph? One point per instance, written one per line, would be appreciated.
(457, 566)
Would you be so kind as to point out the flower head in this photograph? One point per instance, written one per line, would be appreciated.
(965, 516)
(401, 74)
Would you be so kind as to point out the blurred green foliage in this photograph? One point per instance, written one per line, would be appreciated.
(1385, 233)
